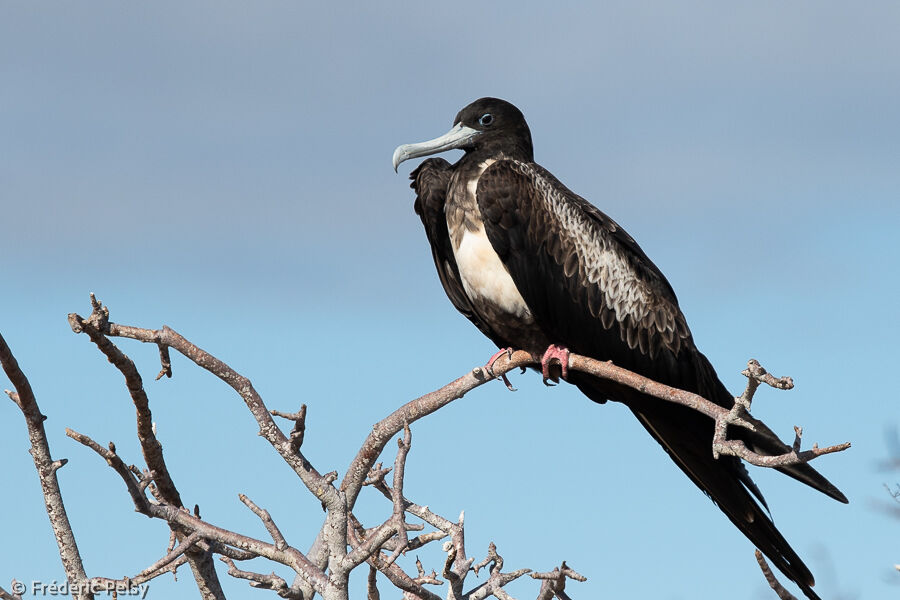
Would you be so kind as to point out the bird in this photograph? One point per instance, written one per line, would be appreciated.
(536, 267)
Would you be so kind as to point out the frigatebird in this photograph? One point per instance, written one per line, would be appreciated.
(536, 267)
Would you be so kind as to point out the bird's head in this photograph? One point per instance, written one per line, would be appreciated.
(487, 126)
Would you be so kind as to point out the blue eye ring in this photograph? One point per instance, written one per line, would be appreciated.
(486, 120)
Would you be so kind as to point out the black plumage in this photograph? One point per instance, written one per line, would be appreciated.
(531, 264)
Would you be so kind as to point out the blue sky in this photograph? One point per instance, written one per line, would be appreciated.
(224, 168)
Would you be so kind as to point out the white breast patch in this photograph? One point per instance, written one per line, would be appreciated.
(484, 276)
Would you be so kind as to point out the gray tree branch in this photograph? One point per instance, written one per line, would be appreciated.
(343, 543)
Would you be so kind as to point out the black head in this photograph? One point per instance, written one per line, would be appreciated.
(501, 125)
(486, 127)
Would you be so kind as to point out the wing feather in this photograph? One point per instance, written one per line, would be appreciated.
(591, 287)
(582, 275)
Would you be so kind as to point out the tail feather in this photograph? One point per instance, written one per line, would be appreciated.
(722, 480)
(764, 441)
(687, 438)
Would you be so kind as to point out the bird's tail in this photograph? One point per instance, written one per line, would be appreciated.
(686, 436)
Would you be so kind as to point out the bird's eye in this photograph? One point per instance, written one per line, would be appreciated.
(486, 119)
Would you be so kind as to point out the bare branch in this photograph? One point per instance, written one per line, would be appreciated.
(360, 470)
(554, 582)
(266, 518)
(179, 516)
(424, 578)
(165, 361)
(371, 545)
(494, 585)
(133, 483)
(398, 516)
(372, 585)
(299, 430)
(394, 573)
(492, 556)
(4, 595)
(457, 565)
(343, 543)
(735, 416)
(267, 582)
(376, 476)
(46, 468)
(168, 563)
(755, 372)
(167, 337)
(96, 326)
(425, 538)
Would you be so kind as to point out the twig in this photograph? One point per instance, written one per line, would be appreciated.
(394, 573)
(267, 582)
(165, 361)
(168, 563)
(554, 582)
(135, 484)
(95, 327)
(403, 446)
(492, 557)
(299, 430)
(424, 578)
(782, 593)
(494, 585)
(376, 476)
(266, 518)
(722, 446)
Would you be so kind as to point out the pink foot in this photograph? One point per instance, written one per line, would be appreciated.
(561, 355)
(490, 367)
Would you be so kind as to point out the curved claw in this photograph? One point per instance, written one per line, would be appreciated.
(489, 367)
(561, 355)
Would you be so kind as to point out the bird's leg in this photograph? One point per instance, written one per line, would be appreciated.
(561, 355)
(490, 366)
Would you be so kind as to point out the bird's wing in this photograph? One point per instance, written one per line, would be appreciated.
(592, 289)
(430, 180)
(585, 280)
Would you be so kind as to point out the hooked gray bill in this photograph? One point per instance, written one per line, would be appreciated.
(459, 137)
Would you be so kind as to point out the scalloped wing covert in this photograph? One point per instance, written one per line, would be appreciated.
(584, 277)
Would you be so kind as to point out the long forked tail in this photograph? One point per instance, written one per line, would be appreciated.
(686, 436)
(725, 480)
